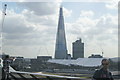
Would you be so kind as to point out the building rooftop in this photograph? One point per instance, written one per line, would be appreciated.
(86, 62)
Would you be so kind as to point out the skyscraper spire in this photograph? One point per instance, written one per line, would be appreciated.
(61, 48)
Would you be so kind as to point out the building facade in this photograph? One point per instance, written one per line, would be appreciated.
(40, 63)
(60, 47)
(78, 49)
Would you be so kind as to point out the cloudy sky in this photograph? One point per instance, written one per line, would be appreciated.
(30, 27)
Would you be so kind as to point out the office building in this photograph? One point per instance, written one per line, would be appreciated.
(78, 49)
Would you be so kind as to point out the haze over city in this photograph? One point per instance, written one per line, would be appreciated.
(30, 27)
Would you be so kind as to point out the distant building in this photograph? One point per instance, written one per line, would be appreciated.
(85, 62)
(95, 56)
(40, 63)
(78, 49)
(20, 63)
(60, 47)
(43, 58)
(0, 56)
(69, 56)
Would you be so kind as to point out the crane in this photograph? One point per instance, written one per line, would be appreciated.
(2, 23)
(4, 13)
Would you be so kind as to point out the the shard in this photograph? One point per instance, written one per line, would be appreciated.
(60, 47)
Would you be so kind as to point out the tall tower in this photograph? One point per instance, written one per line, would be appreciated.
(61, 48)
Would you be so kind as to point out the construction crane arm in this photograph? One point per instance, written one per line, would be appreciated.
(3, 14)
(2, 24)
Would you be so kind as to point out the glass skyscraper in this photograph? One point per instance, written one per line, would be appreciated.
(60, 47)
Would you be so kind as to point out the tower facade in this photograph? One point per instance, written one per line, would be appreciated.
(60, 47)
(78, 49)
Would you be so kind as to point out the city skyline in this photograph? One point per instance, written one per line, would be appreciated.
(30, 28)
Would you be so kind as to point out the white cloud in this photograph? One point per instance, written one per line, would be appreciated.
(16, 23)
(26, 27)
(67, 13)
(112, 4)
(102, 30)
(86, 13)
(41, 8)
(40, 20)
